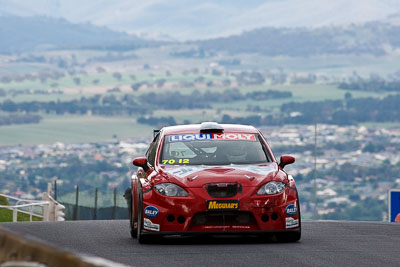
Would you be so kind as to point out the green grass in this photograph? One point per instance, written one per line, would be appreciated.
(105, 79)
(198, 115)
(76, 129)
(73, 129)
(7, 216)
(42, 98)
(318, 92)
(301, 93)
(337, 65)
(86, 87)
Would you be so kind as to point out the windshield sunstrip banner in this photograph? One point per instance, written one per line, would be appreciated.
(212, 136)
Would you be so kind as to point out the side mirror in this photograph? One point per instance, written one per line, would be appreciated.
(140, 162)
(285, 160)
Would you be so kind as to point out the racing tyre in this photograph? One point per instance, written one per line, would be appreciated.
(129, 201)
(141, 237)
(291, 236)
(132, 221)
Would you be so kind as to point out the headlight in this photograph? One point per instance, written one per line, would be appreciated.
(271, 188)
(170, 190)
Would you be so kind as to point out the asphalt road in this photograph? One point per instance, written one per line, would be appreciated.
(324, 243)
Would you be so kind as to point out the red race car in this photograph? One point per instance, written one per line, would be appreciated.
(212, 178)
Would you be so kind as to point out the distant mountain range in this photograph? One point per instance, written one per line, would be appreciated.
(192, 19)
(27, 34)
(373, 38)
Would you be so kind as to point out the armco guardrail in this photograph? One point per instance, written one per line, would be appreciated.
(51, 209)
(16, 248)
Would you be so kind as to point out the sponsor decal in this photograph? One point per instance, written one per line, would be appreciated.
(189, 137)
(291, 210)
(240, 227)
(234, 136)
(151, 211)
(187, 170)
(226, 227)
(184, 171)
(178, 161)
(222, 204)
(212, 136)
(215, 226)
(291, 223)
(254, 168)
(149, 225)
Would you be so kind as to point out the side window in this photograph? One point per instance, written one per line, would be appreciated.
(151, 152)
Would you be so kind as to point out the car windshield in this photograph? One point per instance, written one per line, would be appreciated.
(213, 149)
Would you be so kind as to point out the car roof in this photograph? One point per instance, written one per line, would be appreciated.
(195, 128)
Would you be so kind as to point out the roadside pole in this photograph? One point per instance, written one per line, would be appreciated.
(315, 212)
(95, 204)
(76, 203)
(115, 204)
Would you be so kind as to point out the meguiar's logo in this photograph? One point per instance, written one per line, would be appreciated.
(222, 204)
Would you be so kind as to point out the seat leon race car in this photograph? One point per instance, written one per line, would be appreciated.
(212, 178)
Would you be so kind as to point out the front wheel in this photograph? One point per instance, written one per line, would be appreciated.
(289, 237)
(142, 238)
(133, 223)
(292, 236)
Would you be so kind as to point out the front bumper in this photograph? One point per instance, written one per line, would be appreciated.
(189, 215)
(199, 233)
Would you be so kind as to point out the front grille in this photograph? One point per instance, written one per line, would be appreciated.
(223, 190)
(223, 218)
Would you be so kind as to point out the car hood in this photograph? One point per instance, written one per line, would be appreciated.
(199, 175)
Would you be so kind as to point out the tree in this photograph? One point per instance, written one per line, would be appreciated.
(216, 72)
(100, 69)
(160, 82)
(9, 106)
(117, 76)
(200, 79)
(135, 87)
(77, 80)
(226, 82)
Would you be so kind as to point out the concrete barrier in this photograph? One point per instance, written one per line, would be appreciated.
(14, 247)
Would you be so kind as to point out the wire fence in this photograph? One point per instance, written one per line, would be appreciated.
(91, 204)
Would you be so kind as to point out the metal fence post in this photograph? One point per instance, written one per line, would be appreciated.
(55, 189)
(115, 204)
(15, 214)
(95, 205)
(76, 203)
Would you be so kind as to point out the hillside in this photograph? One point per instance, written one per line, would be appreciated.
(22, 34)
(372, 38)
